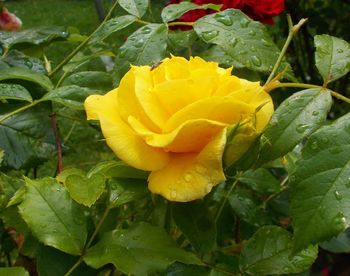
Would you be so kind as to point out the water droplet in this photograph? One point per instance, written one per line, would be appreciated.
(242, 52)
(325, 140)
(146, 30)
(200, 169)
(286, 103)
(266, 43)
(188, 177)
(233, 42)
(348, 183)
(253, 49)
(29, 64)
(338, 195)
(335, 150)
(224, 19)
(210, 35)
(315, 113)
(301, 128)
(339, 222)
(314, 145)
(256, 61)
(139, 43)
(339, 51)
(252, 33)
(244, 23)
(122, 53)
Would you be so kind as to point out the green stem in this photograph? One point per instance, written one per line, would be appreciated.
(98, 226)
(74, 266)
(305, 85)
(234, 184)
(19, 110)
(292, 31)
(142, 22)
(83, 44)
(97, 229)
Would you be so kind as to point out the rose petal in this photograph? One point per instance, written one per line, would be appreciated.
(191, 176)
(221, 109)
(136, 79)
(191, 136)
(120, 137)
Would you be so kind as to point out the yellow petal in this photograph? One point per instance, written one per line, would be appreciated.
(136, 79)
(191, 136)
(191, 176)
(94, 105)
(221, 109)
(176, 94)
(120, 137)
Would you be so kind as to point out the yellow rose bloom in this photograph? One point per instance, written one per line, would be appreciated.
(173, 120)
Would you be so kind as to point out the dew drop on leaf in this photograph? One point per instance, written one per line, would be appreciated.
(244, 23)
(314, 145)
(209, 35)
(315, 113)
(256, 61)
(301, 128)
(338, 195)
(224, 19)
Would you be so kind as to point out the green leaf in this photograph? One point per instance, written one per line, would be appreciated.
(172, 12)
(320, 194)
(85, 190)
(8, 187)
(181, 39)
(332, 57)
(53, 217)
(17, 59)
(126, 190)
(117, 169)
(195, 221)
(26, 74)
(2, 153)
(268, 252)
(146, 46)
(111, 26)
(261, 181)
(27, 137)
(339, 244)
(17, 197)
(95, 80)
(13, 271)
(247, 206)
(139, 250)
(35, 36)
(134, 7)
(72, 96)
(52, 262)
(244, 40)
(14, 92)
(296, 118)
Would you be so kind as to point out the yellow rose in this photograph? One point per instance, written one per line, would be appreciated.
(172, 120)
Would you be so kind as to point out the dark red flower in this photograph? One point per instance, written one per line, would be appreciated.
(260, 10)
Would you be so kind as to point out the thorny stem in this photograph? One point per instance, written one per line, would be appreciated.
(58, 143)
(293, 29)
(234, 184)
(277, 84)
(83, 44)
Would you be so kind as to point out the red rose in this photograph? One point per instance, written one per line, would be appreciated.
(9, 21)
(261, 10)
